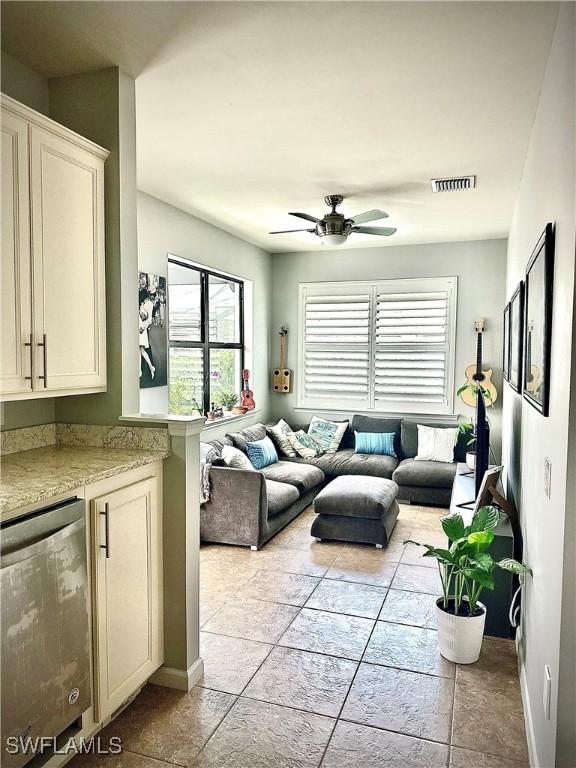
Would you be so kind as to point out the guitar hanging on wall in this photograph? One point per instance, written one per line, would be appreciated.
(475, 375)
(282, 376)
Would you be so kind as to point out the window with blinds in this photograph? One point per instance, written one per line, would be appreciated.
(386, 346)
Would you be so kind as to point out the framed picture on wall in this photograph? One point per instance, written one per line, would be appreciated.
(538, 322)
(506, 344)
(152, 339)
(516, 337)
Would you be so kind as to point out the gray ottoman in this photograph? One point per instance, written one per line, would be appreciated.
(356, 508)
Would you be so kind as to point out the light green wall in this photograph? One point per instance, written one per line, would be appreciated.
(100, 106)
(480, 266)
(163, 229)
(548, 633)
(25, 85)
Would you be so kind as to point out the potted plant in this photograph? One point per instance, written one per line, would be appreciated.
(466, 568)
(228, 400)
(466, 428)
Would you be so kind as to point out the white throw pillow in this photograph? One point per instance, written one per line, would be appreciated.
(436, 444)
(328, 434)
(280, 434)
(235, 458)
(305, 445)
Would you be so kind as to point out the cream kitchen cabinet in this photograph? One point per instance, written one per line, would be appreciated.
(126, 525)
(53, 338)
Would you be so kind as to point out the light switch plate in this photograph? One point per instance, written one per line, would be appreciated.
(547, 477)
(546, 691)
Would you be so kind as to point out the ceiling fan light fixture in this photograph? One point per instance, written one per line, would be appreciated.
(333, 239)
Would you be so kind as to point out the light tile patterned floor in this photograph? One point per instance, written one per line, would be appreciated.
(323, 654)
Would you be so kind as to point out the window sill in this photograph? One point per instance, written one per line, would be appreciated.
(233, 419)
(447, 416)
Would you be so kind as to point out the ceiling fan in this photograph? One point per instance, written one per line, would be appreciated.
(334, 228)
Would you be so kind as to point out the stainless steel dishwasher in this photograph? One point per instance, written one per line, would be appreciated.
(45, 630)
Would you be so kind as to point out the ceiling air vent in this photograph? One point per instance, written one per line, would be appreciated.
(455, 184)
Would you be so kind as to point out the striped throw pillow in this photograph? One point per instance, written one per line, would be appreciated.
(261, 453)
(381, 443)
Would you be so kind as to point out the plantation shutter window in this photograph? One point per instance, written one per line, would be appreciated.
(410, 355)
(385, 346)
(337, 347)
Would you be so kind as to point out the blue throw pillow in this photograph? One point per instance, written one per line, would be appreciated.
(381, 443)
(261, 453)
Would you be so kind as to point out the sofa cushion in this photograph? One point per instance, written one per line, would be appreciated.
(248, 435)
(303, 476)
(409, 439)
(280, 496)
(425, 474)
(261, 453)
(361, 496)
(361, 423)
(348, 462)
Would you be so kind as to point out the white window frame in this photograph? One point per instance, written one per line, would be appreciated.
(373, 287)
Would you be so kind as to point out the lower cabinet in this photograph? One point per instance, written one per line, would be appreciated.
(127, 585)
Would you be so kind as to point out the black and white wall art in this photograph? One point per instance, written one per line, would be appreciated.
(516, 337)
(538, 322)
(152, 330)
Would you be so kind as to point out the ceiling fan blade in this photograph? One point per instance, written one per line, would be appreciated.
(369, 216)
(305, 216)
(375, 230)
(285, 231)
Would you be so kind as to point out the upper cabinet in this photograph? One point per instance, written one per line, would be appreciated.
(53, 335)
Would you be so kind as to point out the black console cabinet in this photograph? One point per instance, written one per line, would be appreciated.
(497, 602)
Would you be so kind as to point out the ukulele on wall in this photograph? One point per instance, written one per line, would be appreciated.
(281, 376)
(247, 396)
(475, 375)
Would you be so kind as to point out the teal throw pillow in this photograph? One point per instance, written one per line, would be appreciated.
(261, 453)
(381, 443)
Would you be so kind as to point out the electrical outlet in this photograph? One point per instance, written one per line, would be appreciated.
(547, 476)
(546, 688)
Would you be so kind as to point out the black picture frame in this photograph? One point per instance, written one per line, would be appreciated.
(516, 338)
(506, 344)
(538, 322)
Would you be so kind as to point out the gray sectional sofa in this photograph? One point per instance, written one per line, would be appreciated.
(249, 507)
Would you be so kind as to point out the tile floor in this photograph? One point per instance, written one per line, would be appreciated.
(322, 654)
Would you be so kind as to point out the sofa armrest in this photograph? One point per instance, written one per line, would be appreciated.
(237, 510)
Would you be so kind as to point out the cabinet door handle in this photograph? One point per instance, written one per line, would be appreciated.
(106, 544)
(44, 346)
(31, 345)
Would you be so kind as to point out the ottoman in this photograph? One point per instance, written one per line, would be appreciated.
(356, 508)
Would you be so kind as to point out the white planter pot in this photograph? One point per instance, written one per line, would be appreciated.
(460, 637)
(471, 461)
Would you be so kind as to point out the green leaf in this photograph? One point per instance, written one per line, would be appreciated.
(453, 527)
(483, 560)
(485, 519)
(481, 540)
(480, 576)
(463, 388)
(440, 554)
(509, 564)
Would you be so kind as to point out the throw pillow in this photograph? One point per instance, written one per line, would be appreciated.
(436, 444)
(305, 445)
(328, 434)
(381, 443)
(279, 434)
(262, 453)
(235, 458)
(250, 434)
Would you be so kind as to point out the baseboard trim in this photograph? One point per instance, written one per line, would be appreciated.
(529, 723)
(180, 679)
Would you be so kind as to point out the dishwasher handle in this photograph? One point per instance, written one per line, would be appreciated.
(106, 513)
(47, 543)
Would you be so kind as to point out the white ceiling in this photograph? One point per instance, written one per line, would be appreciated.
(248, 110)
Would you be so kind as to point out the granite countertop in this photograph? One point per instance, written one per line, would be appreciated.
(39, 474)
